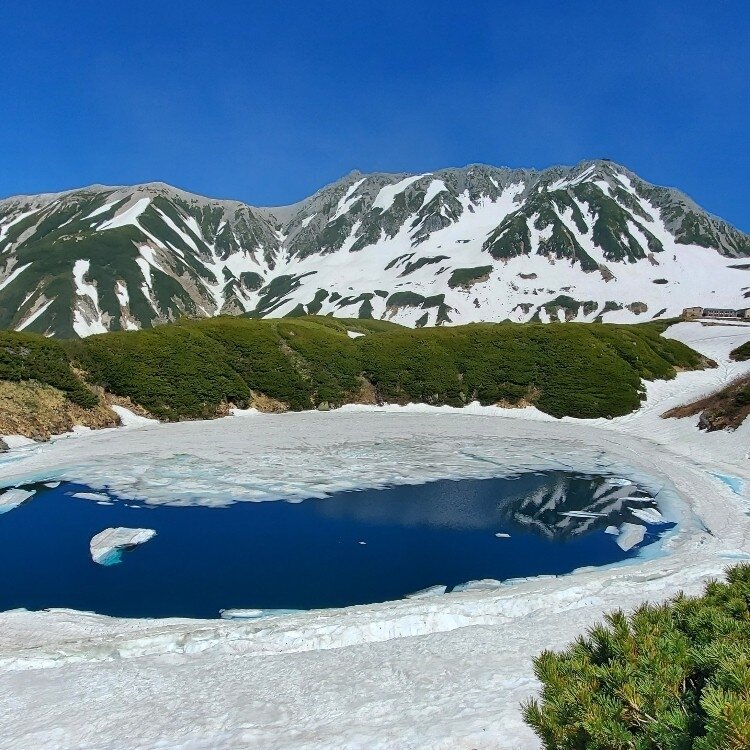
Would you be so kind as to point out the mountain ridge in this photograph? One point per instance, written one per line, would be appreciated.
(159, 184)
(448, 246)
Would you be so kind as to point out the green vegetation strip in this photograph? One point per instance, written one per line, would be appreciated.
(187, 370)
(668, 677)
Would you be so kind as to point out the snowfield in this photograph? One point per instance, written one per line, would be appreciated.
(443, 671)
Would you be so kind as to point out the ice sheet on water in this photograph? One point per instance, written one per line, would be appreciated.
(631, 535)
(207, 464)
(13, 498)
(97, 496)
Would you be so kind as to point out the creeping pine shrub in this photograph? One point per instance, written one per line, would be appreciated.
(669, 677)
(29, 356)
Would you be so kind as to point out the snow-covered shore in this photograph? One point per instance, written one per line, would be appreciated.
(439, 672)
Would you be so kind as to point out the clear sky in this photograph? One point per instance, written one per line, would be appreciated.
(267, 101)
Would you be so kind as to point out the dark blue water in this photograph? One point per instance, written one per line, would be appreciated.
(279, 555)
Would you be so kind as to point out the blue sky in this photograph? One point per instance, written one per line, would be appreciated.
(266, 102)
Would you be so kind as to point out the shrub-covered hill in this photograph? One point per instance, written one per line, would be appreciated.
(193, 369)
(741, 353)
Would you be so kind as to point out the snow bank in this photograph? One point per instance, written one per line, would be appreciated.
(430, 591)
(235, 412)
(129, 418)
(254, 614)
(473, 408)
(485, 584)
(17, 441)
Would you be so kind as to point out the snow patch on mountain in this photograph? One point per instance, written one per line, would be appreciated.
(13, 275)
(87, 317)
(127, 217)
(346, 201)
(388, 193)
(39, 310)
(435, 188)
(101, 210)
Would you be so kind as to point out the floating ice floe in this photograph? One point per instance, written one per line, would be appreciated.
(612, 530)
(97, 496)
(502, 535)
(631, 535)
(107, 546)
(649, 515)
(618, 481)
(581, 514)
(13, 498)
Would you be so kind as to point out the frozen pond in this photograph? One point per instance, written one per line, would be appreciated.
(352, 548)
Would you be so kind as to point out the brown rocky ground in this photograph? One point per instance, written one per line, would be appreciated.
(726, 409)
(264, 403)
(38, 411)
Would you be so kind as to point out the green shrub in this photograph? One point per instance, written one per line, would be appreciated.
(29, 356)
(174, 371)
(404, 299)
(575, 370)
(465, 277)
(741, 353)
(668, 677)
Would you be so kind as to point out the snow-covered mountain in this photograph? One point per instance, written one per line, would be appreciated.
(591, 242)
